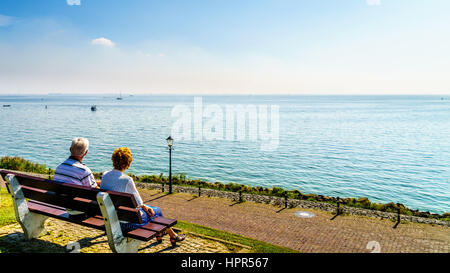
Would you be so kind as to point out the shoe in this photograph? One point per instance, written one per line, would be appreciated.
(179, 238)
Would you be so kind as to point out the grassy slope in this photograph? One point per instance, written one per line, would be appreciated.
(7, 215)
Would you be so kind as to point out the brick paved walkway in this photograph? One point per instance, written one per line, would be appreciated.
(319, 234)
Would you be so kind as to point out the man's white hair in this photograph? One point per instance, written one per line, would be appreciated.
(79, 146)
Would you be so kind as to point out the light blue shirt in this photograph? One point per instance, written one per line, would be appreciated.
(115, 180)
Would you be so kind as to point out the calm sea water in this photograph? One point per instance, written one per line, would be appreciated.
(387, 148)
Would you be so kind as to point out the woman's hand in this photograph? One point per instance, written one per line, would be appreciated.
(148, 210)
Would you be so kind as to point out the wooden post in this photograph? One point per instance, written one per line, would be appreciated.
(338, 210)
(285, 199)
(398, 215)
(338, 205)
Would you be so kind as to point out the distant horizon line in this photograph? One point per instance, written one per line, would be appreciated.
(217, 94)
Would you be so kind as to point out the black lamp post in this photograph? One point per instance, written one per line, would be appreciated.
(170, 144)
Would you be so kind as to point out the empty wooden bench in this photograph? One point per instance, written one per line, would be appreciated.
(35, 199)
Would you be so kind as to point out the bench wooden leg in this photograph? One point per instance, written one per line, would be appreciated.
(32, 224)
(117, 242)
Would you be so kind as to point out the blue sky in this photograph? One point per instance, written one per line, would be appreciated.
(218, 46)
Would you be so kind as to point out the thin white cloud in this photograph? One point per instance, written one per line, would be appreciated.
(103, 41)
(73, 2)
(6, 20)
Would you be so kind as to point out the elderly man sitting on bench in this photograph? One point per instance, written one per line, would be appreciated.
(73, 171)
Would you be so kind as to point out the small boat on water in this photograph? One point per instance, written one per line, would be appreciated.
(120, 97)
(94, 108)
(6, 105)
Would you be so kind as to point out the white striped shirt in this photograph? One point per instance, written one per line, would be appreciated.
(74, 172)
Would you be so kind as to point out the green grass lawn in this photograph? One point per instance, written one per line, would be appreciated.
(7, 216)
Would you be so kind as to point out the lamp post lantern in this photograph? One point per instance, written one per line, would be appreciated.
(170, 144)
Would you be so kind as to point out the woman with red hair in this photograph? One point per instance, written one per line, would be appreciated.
(116, 180)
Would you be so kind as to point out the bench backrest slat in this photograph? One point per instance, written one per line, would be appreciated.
(119, 198)
(75, 197)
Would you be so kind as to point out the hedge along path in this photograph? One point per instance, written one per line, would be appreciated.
(279, 226)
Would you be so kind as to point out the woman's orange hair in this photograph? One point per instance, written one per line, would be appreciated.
(122, 158)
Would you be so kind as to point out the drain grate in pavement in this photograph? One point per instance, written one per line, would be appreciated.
(304, 214)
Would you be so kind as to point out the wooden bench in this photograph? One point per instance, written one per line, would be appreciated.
(35, 199)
